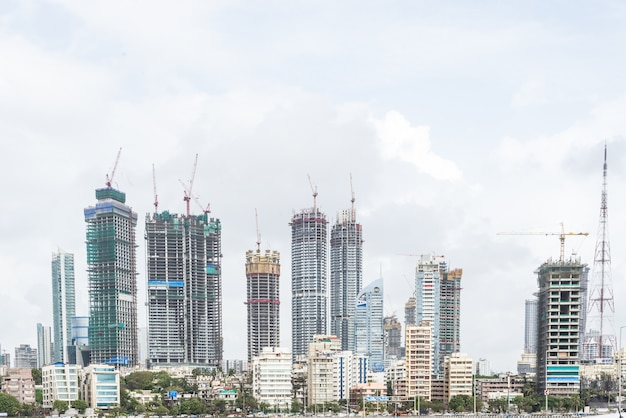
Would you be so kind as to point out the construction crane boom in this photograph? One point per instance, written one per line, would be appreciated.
(188, 189)
(258, 234)
(110, 176)
(352, 211)
(314, 191)
(561, 236)
(154, 188)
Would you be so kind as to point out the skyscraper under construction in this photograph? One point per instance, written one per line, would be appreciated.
(263, 300)
(112, 278)
(309, 295)
(183, 257)
(346, 275)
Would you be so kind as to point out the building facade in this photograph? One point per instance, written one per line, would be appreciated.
(183, 265)
(63, 302)
(44, 345)
(429, 272)
(530, 326)
(349, 370)
(321, 369)
(393, 337)
(59, 382)
(419, 360)
(346, 275)
(25, 357)
(263, 301)
(100, 386)
(458, 376)
(450, 313)
(309, 293)
(558, 328)
(112, 279)
(271, 377)
(368, 325)
(20, 384)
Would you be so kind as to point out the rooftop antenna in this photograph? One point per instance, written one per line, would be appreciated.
(314, 190)
(188, 190)
(156, 198)
(258, 234)
(110, 177)
(352, 212)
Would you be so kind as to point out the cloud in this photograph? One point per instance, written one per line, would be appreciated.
(401, 141)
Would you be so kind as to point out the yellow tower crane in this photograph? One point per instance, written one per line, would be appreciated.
(561, 236)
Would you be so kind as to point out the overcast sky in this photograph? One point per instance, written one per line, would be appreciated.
(457, 120)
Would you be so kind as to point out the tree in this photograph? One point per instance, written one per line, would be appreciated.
(80, 405)
(296, 406)
(162, 410)
(139, 380)
(36, 374)
(460, 403)
(60, 406)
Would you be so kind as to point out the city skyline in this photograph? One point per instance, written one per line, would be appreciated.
(457, 122)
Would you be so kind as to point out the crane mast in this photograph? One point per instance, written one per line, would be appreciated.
(110, 176)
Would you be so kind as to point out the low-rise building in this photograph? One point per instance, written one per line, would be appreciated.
(458, 374)
(100, 386)
(59, 382)
(271, 377)
(20, 384)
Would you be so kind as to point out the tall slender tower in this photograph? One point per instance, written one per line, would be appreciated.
(309, 294)
(112, 278)
(63, 303)
(428, 278)
(368, 323)
(600, 340)
(263, 299)
(183, 256)
(346, 275)
(450, 315)
(44, 346)
(530, 326)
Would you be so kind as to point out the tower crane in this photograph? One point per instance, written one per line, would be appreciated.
(561, 236)
(206, 209)
(352, 211)
(154, 188)
(258, 234)
(110, 176)
(314, 191)
(188, 189)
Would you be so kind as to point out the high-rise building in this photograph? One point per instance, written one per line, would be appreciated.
(409, 312)
(112, 278)
(263, 300)
(183, 257)
(530, 326)
(450, 314)
(429, 272)
(320, 368)
(393, 336)
(558, 327)
(368, 325)
(346, 275)
(419, 360)
(309, 293)
(25, 356)
(44, 345)
(63, 303)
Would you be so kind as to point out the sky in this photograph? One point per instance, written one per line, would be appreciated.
(456, 120)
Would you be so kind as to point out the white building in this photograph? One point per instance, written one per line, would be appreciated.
(271, 377)
(60, 382)
(321, 369)
(100, 386)
(349, 370)
(457, 376)
(419, 364)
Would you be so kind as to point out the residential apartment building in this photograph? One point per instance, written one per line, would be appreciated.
(321, 369)
(59, 382)
(346, 275)
(309, 293)
(418, 357)
(271, 378)
(498, 387)
(428, 274)
(183, 265)
(20, 384)
(63, 303)
(112, 278)
(25, 357)
(458, 376)
(349, 370)
(263, 300)
(450, 313)
(559, 330)
(100, 386)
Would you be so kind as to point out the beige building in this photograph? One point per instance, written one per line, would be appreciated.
(419, 360)
(19, 383)
(320, 369)
(60, 382)
(458, 372)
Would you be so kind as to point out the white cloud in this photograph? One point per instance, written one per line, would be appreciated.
(401, 141)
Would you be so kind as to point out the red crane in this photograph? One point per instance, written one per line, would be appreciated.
(110, 176)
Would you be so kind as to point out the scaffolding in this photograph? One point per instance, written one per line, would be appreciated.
(112, 279)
